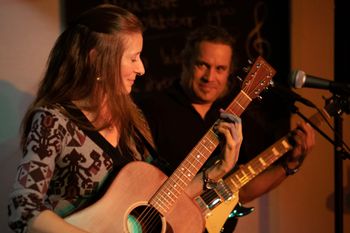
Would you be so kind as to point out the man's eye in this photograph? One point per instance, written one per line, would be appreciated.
(201, 65)
(221, 69)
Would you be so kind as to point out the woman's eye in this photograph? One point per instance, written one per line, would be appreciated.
(135, 59)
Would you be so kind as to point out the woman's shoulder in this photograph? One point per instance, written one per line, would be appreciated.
(50, 115)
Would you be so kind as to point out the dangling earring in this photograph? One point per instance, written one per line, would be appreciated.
(98, 78)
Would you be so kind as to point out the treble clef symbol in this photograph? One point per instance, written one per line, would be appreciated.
(255, 42)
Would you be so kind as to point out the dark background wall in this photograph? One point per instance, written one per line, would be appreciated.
(259, 28)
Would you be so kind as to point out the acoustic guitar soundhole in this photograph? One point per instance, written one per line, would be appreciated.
(144, 218)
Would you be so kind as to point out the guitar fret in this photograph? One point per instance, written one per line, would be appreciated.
(208, 145)
(237, 104)
(275, 151)
(174, 187)
(234, 183)
(199, 156)
(166, 200)
(251, 170)
(247, 96)
(243, 178)
(180, 177)
(160, 202)
(187, 174)
(161, 208)
(190, 165)
(170, 192)
(243, 103)
(262, 161)
(286, 144)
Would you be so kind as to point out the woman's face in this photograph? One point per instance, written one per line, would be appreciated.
(131, 64)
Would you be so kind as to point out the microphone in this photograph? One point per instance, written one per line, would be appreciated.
(290, 95)
(299, 79)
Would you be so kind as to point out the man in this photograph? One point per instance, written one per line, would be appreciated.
(181, 114)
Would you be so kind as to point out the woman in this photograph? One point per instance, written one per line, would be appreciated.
(83, 127)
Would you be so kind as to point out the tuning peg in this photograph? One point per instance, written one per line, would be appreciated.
(250, 62)
(246, 69)
(239, 78)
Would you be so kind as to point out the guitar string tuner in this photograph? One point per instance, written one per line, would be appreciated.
(250, 61)
(239, 78)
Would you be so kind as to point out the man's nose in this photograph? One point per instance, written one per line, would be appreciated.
(209, 75)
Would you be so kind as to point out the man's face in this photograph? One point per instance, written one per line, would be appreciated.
(211, 71)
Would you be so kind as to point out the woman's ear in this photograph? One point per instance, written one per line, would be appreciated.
(92, 56)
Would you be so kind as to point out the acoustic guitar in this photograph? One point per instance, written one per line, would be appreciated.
(141, 198)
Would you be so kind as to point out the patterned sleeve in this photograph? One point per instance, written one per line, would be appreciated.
(35, 170)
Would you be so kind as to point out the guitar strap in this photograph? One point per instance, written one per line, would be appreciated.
(156, 159)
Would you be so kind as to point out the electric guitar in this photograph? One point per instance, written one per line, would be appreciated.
(217, 204)
(141, 198)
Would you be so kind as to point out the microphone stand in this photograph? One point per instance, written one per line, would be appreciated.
(338, 175)
(340, 155)
(338, 166)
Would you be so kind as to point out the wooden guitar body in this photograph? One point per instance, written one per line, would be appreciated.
(131, 190)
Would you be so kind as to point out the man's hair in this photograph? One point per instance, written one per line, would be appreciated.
(209, 33)
(190, 53)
